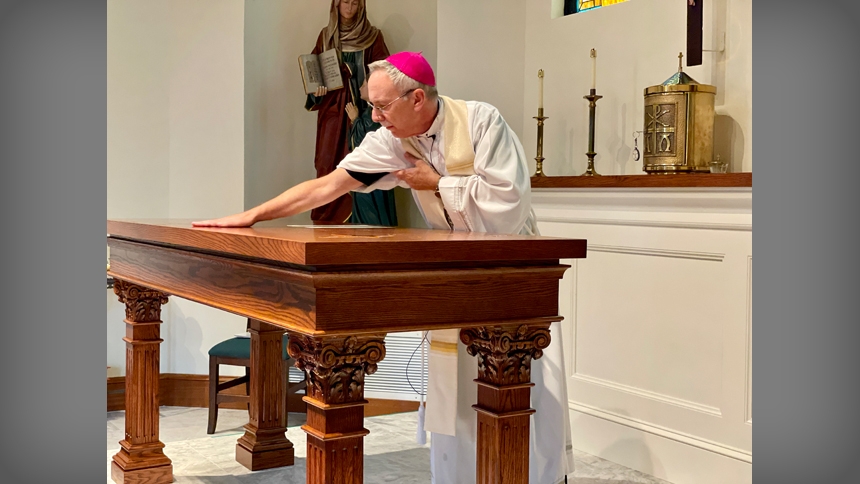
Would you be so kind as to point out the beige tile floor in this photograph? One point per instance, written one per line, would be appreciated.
(391, 453)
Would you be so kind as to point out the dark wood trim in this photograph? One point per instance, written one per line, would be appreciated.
(185, 390)
(115, 393)
(378, 406)
(694, 32)
(322, 302)
(680, 180)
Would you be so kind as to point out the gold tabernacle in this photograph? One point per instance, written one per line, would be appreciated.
(679, 125)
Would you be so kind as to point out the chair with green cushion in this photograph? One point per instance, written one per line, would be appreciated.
(237, 352)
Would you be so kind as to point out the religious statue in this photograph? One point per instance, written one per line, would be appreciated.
(359, 44)
(376, 207)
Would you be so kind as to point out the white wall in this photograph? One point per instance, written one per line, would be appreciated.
(482, 54)
(138, 140)
(279, 132)
(637, 45)
(175, 144)
(206, 107)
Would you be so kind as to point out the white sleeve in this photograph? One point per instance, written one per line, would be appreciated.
(497, 199)
(379, 152)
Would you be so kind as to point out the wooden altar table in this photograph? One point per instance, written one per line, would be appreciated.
(337, 291)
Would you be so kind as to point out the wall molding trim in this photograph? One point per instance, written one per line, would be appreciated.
(647, 251)
(657, 430)
(685, 181)
(727, 209)
(645, 223)
(715, 200)
(639, 392)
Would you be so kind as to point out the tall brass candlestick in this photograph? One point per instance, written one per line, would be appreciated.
(540, 117)
(539, 158)
(592, 105)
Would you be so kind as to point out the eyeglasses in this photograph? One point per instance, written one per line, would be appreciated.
(382, 109)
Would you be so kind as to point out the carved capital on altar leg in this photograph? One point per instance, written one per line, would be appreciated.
(505, 352)
(504, 383)
(141, 303)
(140, 458)
(334, 368)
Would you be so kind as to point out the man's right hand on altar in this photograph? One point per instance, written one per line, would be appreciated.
(244, 219)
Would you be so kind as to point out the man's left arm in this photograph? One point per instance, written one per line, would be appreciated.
(373, 161)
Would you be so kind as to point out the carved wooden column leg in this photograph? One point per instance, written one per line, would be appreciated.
(140, 458)
(335, 367)
(504, 387)
(264, 444)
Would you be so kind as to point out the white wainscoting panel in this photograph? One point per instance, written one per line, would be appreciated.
(658, 327)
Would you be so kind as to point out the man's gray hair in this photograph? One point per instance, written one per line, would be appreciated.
(401, 81)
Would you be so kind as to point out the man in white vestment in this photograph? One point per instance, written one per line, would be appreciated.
(467, 172)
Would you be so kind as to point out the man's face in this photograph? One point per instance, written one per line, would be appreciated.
(348, 9)
(398, 113)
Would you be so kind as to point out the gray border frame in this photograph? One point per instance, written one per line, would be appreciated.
(53, 152)
(806, 330)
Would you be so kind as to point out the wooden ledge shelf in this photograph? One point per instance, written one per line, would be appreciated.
(703, 180)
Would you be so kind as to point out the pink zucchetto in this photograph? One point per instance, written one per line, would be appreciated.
(414, 65)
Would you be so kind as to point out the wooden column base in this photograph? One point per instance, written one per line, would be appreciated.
(151, 475)
(143, 464)
(258, 456)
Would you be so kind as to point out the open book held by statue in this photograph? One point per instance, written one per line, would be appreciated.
(320, 70)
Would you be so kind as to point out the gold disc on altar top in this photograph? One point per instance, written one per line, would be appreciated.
(679, 125)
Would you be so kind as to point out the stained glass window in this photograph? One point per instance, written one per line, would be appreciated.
(573, 6)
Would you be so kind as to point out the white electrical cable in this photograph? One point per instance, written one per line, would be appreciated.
(421, 435)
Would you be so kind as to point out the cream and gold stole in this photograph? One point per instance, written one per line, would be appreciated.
(441, 415)
(459, 156)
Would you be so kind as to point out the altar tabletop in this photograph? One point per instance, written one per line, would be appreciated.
(325, 246)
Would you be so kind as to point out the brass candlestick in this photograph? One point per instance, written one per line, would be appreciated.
(592, 105)
(539, 158)
(540, 117)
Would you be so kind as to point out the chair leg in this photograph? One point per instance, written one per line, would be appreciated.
(213, 395)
